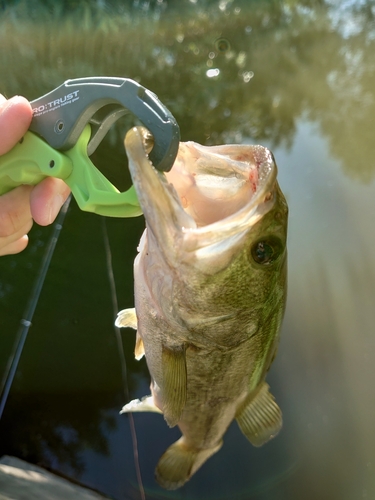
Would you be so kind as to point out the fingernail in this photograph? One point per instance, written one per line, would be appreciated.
(7, 103)
(2, 99)
(54, 207)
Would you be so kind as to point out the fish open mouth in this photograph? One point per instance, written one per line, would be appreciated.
(210, 199)
(216, 182)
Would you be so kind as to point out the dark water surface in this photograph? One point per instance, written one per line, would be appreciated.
(295, 76)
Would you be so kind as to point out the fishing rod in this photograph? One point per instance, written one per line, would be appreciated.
(27, 318)
(120, 348)
(68, 125)
(28, 315)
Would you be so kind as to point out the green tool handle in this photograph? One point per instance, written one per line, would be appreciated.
(32, 160)
(92, 190)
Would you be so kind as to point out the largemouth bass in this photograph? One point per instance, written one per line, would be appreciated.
(210, 286)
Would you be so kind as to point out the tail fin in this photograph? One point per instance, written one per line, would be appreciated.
(179, 463)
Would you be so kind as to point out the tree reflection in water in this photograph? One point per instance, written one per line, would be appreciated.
(52, 434)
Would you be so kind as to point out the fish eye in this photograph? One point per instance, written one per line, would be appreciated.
(266, 251)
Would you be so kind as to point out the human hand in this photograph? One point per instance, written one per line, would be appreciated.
(22, 205)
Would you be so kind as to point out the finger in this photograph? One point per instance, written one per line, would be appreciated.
(46, 199)
(15, 247)
(15, 242)
(14, 210)
(15, 119)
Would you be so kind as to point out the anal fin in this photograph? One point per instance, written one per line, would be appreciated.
(179, 462)
(260, 418)
(126, 319)
(174, 387)
(145, 404)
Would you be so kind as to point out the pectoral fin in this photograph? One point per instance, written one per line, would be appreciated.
(174, 383)
(144, 404)
(126, 319)
(260, 417)
(179, 463)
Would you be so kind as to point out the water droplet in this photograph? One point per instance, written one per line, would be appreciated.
(241, 59)
(222, 45)
(276, 101)
(247, 76)
(222, 5)
(212, 73)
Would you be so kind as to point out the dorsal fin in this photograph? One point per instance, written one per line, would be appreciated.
(139, 350)
(127, 318)
(174, 387)
(259, 418)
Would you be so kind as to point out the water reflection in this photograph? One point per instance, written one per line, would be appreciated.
(296, 76)
(303, 58)
(59, 438)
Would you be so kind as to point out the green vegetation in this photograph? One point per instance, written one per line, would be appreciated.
(283, 61)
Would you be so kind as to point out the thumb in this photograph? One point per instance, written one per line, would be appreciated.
(15, 119)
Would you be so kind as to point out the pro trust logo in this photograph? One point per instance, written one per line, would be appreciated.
(56, 103)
